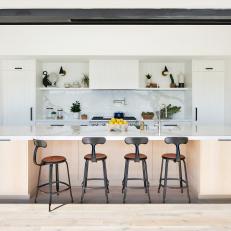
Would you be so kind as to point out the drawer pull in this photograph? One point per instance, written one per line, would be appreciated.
(5, 140)
(209, 68)
(18, 68)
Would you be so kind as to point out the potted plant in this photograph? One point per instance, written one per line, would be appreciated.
(172, 84)
(171, 110)
(148, 79)
(147, 115)
(76, 109)
(85, 81)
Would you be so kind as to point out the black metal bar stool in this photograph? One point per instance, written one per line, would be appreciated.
(51, 161)
(177, 158)
(136, 157)
(94, 157)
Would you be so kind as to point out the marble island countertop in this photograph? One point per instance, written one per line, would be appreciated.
(192, 131)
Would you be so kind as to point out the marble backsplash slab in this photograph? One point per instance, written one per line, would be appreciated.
(100, 102)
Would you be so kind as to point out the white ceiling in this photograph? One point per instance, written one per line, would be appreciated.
(115, 4)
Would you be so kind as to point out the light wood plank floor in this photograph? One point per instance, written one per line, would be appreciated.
(85, 217)
(137, 214)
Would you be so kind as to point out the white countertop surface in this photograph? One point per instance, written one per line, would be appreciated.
(45, 132)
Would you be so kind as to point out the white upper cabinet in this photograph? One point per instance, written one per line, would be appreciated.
(17, 84)
(208, 91)
(114, 74)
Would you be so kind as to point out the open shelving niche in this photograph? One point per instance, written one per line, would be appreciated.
(76, 68)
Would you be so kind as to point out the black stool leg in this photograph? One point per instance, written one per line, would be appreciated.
(144, 176)
(84, 180)
(87, 166)
(161, 173)
(186, 180)
(105, 170)
(37, 189)
(105, 180)
(125, 180)
(165, 180)
(180, 176)
(69, 182)
(50, 185)
(123, 185)
(57, 178)
(146, 180)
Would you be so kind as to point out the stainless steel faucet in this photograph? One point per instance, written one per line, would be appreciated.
(158, 113)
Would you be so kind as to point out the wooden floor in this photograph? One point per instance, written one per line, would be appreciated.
(177, 217)
(137, 214)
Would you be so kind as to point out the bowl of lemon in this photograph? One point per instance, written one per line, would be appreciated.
(117, 125)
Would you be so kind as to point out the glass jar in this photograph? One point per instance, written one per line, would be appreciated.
(60, 114)
(49, 111)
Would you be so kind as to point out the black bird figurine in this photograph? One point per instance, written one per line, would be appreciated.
(46, 81)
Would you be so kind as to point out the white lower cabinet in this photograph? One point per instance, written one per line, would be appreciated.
(17, 95)
(208, 92)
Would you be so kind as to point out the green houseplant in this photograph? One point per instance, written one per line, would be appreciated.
(76, 109)
(148, 79)
(85, 81)
(171, 110)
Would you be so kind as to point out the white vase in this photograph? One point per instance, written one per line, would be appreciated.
(76, 115)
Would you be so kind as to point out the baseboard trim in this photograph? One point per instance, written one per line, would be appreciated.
(214, 197)
(15, 197)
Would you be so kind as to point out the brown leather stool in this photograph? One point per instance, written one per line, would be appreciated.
(177, 158)
(51, 160)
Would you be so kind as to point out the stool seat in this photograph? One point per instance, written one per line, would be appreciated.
(99, 156)
(132, 156)
(53, 159)
(172, 156)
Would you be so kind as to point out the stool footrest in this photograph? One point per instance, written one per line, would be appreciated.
(95, 178)
(162, 179)
(135, 179)
(135, 187)
(94, 187)
(54, 182)
(173, 187)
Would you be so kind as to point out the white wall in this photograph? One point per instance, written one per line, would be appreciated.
(115, 40)
(115, 4)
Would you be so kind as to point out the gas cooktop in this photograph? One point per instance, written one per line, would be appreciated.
(107, 118)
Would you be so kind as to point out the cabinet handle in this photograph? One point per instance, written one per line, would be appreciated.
(18, 68)
(5, 140)
(196, 114)
(209, 68)
(31, 114)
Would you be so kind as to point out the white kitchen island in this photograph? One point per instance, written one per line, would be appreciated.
(208, 156)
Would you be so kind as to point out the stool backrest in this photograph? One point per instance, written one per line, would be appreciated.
(93, 141)
(137, 141)
(177, 141)
(38, 144)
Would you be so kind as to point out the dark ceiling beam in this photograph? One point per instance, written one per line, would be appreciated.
(115, 16)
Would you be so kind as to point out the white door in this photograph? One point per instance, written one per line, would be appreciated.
(208, 97)
(18, 96)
